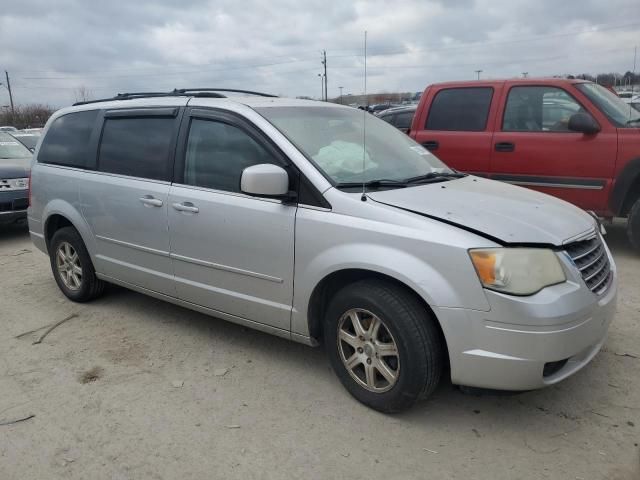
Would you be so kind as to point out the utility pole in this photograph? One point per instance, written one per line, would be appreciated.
(324, 62)
(525, 74)
(340, 94)
(321, 87)
(478, 72)
(6, 74)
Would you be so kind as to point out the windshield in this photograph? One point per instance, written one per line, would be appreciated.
(616, 110)
(12, 148)
(333, 138)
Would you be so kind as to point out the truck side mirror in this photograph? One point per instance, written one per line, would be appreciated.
(584, 123)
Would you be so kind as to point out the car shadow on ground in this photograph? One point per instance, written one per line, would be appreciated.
(13, 232)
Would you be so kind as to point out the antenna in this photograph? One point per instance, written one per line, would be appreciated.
(364, 123)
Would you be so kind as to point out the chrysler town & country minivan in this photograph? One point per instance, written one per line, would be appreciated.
(321, 223)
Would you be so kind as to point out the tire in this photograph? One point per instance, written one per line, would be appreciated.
(83, 285)
(405, 322)
(633, 225)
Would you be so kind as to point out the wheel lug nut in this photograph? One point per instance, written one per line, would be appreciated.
(369, 361)
(360, 350)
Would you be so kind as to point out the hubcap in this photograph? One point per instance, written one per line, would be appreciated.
(68, 265)
(368, 350)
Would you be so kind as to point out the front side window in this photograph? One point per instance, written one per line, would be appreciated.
(218, 152)
(10, 148)
(539, 109)
(621, 114)
(350, 145)
(137, 147)
(460, 109)
(67, 140)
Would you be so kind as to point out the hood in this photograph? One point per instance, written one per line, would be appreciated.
(500, 211)
(14, 168)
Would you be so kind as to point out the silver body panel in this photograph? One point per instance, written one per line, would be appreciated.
(257, 261)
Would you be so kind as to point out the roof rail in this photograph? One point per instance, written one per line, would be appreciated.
(176, 92)
(230, 90)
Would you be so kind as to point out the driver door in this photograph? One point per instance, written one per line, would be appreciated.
(532, 147)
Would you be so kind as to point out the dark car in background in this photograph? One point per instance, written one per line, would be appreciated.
(15, 162)
(399, 117)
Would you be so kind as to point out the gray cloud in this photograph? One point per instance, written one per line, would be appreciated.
(51, 48)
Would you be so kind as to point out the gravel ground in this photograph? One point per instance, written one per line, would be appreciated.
(136, 388)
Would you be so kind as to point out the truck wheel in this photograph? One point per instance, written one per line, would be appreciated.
(633, 225)
(383, 344)
(72, 267)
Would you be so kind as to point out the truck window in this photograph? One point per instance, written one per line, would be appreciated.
(460, 109)
(539, 109)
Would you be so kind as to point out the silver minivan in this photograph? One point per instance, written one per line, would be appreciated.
(322, 224)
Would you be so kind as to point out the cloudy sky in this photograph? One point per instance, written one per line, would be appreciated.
(52, 48)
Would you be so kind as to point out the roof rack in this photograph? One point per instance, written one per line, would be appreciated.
(176, 92)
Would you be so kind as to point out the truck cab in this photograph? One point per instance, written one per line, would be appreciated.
(569, 138)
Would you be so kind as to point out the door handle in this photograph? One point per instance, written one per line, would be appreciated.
(430, 145)
(505, 147)
(186, 207)
(150, 201)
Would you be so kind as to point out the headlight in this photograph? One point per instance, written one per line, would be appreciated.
(14, 184)
(517, 271)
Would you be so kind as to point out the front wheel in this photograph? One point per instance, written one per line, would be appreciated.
(383, 344)
(633, 225)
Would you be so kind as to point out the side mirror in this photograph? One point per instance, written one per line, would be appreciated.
(584, 123)
(265, 180)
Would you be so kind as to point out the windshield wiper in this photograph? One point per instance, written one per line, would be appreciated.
(382, 182)
(435, 177)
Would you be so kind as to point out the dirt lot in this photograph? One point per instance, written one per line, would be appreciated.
(137, 388)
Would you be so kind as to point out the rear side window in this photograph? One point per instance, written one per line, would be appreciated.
(67, 140)
(137, 147)
(217, 153)
(460, 109)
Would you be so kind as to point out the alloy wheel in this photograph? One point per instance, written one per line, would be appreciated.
(368, 350)
(68, 265)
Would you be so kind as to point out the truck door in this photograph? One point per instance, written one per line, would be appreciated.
(457, 126)
(533, 147)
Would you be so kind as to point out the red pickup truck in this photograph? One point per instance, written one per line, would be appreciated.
(569, 138)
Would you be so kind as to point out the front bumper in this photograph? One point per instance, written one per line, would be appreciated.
(13, 206)
(508, 347)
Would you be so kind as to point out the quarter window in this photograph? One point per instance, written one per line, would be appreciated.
(218, 152)
(67, 140)
(539, 109)
(137, 147)
(460, 109)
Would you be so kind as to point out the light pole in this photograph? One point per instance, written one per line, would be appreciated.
(525, 74)
(340, 94)
(478, 72)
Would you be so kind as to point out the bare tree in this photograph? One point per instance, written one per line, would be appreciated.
(82, 94)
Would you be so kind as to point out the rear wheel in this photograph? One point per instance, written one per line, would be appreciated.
(72, 268)
(633, 225)
(383, 344)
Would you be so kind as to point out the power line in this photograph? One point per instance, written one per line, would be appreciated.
(430, 48)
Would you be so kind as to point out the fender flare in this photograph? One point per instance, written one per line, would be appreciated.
(66, 210)
(624, 182)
